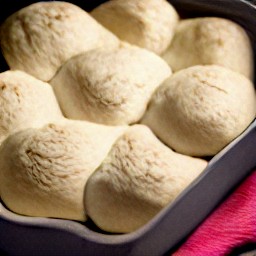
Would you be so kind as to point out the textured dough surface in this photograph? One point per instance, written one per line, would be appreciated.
(137, 179)
(202, 41)
(25, 102)
(201, 109)
(149, 24)
(39, 38)
(111, 87)
(43, 171)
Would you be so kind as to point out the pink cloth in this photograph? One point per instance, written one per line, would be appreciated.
(231, 225)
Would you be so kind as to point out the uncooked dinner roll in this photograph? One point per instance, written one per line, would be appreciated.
(217, 41)
(41, 37)
(25, 102)
(43, 171)
(147, 23)
(109, 86)
(138, 178)
(199, 110)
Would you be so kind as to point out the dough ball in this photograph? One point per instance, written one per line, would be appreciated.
(43, 171)
(203, 41)
(39, 38)
(25, 102)
(149, 24)
(199, 110)
(111, 87)
(139, 177)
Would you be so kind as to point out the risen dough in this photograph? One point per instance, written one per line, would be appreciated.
(43, 171)
(149, 24)
(201, 109)
(112, 87)
(137, 179)
(39, 38)
(25, 102)
(219, 41)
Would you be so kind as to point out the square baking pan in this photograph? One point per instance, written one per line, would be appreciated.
(20, 235)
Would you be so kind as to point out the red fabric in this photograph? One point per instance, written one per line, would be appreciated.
(231, 225)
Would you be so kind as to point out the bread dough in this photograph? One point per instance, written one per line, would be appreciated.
(25, 102)
(139, 177)
(199, 110)
(149, 24)
(202, 41)
(39, 38)
(43, 171)
(111, 87)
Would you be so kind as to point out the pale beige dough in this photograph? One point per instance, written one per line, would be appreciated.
(111, 87)
(25, 102)
(39, 38)
(199, 110)
(149, 24)
(219, 41)
(43, 171)
(139, 177)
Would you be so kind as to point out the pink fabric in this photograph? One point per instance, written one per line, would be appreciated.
(231, 225)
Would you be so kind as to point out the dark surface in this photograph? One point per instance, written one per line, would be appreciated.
(40, 236)
(248, 249)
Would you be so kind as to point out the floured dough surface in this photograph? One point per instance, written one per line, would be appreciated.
(39, 38)
(25, 102)
(111, 87)
(199, 110)
(149, 24)
(43, 171)
(138, 178)
(203, 41)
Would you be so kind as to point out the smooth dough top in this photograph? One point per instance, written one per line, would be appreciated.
(211, 40)
(201, 109)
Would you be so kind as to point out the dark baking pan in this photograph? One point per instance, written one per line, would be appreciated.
(21, 235)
